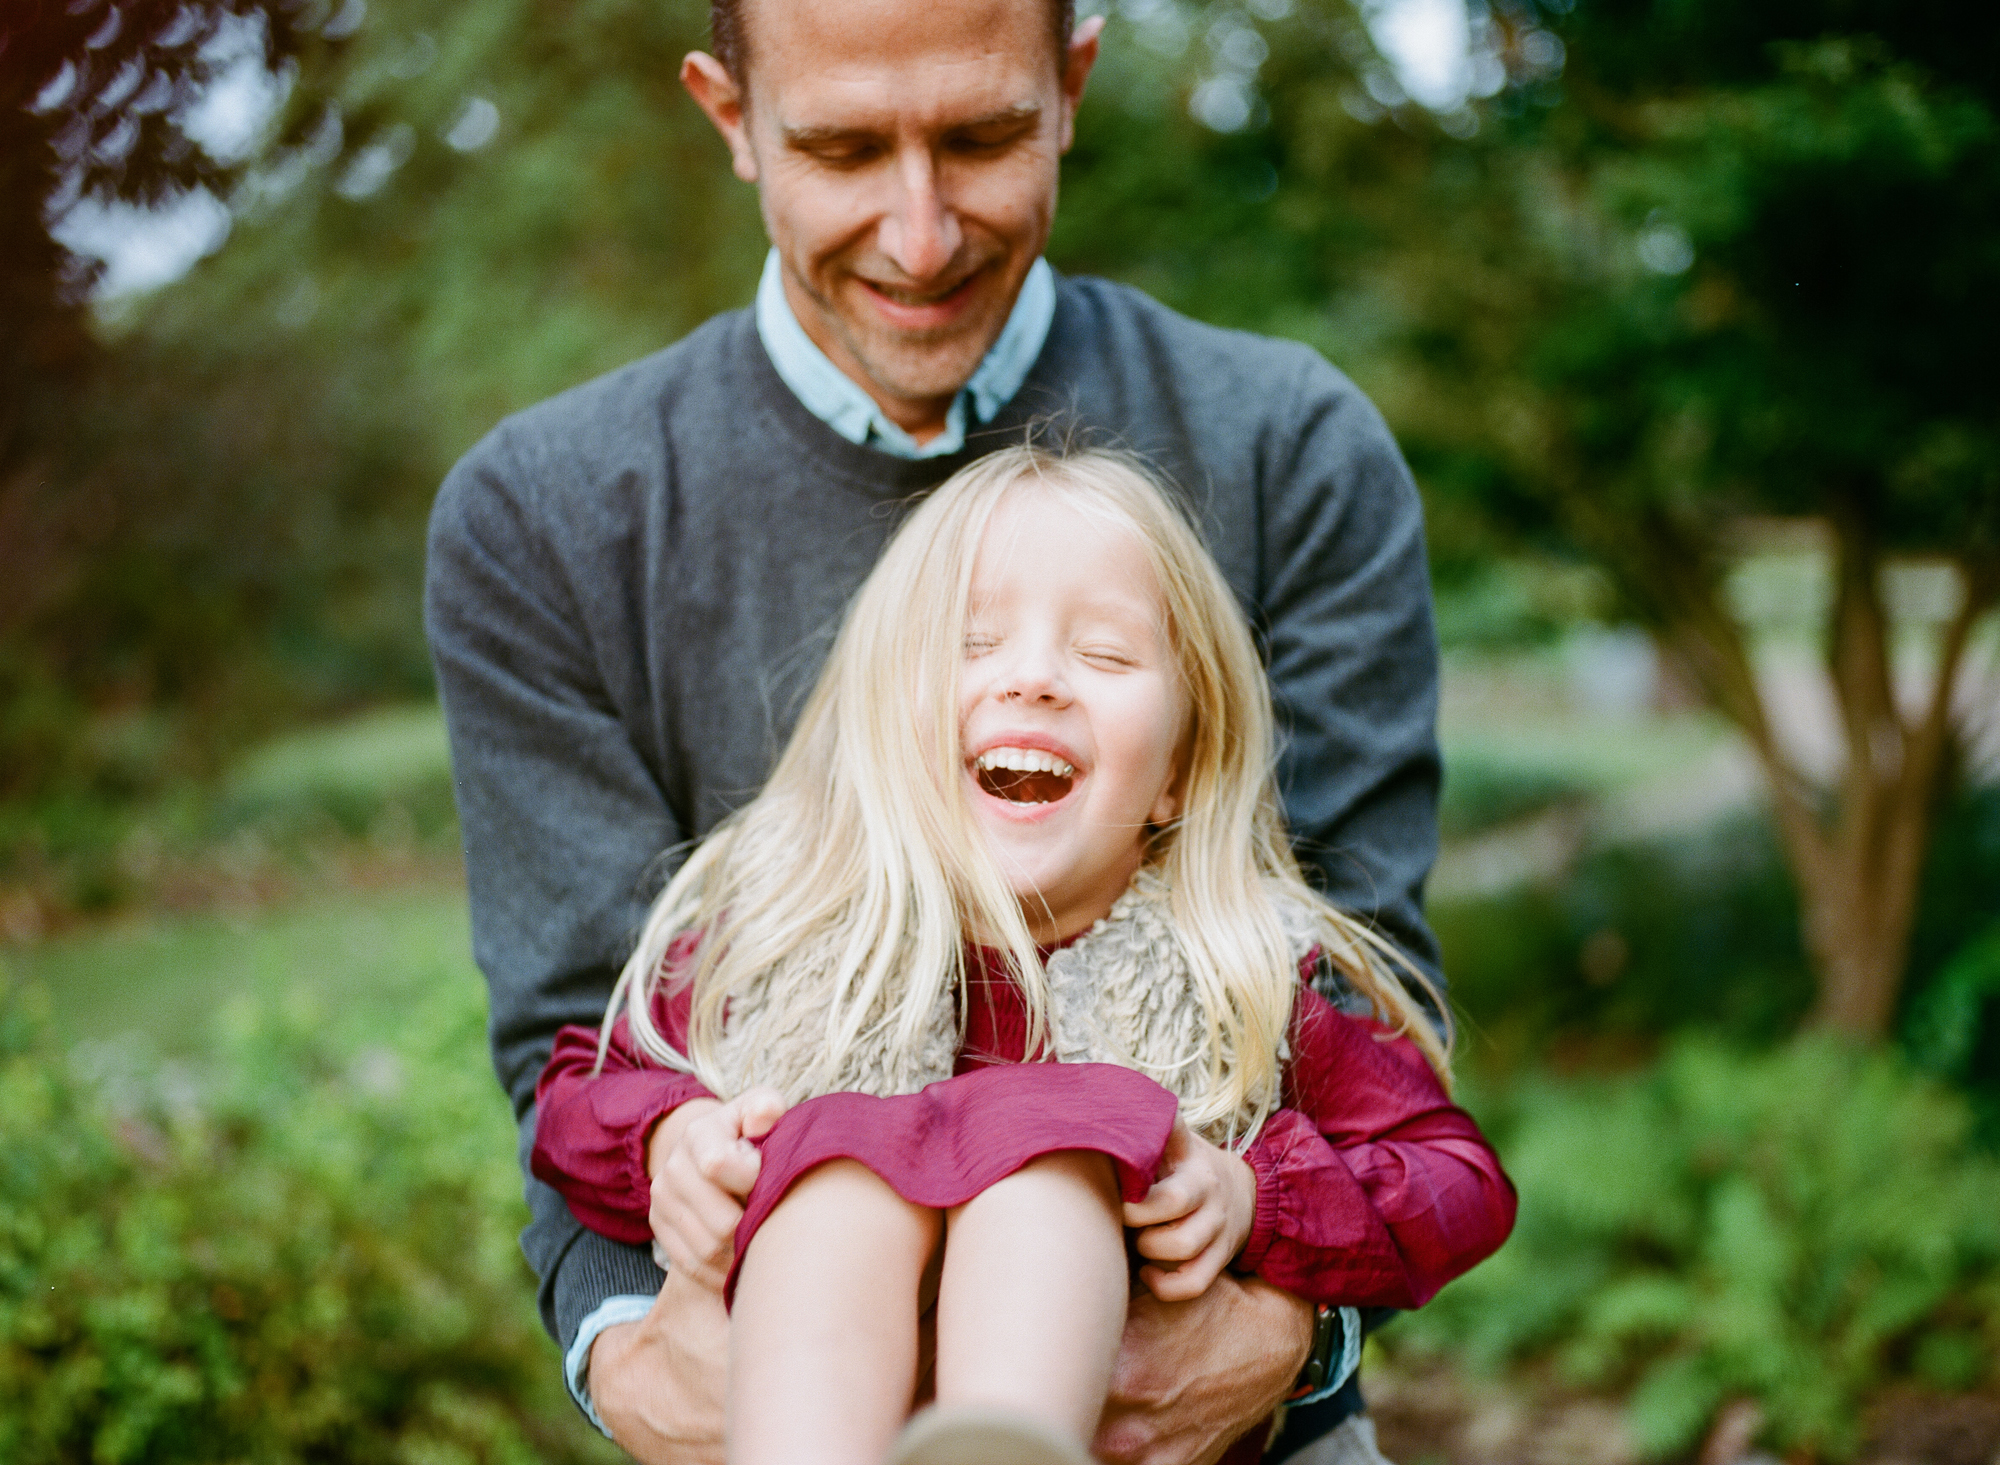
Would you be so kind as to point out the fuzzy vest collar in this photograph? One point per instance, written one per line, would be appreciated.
(1120, 993)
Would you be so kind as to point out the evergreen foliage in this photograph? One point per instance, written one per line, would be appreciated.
(1801, 1228)
(276, 1256)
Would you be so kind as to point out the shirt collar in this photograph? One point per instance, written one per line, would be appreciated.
(828, 393)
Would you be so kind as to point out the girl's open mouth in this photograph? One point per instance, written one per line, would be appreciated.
(1023, 775)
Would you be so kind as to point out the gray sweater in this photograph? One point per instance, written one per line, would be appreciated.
(631, 587)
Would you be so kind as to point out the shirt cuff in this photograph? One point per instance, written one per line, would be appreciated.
(1337, 1376)
(576, 1363)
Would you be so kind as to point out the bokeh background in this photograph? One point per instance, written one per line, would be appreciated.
(1683, 311)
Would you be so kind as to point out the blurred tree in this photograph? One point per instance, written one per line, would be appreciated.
(96, 98)
(451, 213)
(95, 102)
(1737, 264)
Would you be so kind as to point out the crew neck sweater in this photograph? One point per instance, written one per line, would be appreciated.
(632, 585)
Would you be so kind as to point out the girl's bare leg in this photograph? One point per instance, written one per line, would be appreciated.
(1031, 1304)
(823, 1334)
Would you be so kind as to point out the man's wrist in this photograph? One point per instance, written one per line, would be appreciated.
(612, 1312)
(1285, 1323)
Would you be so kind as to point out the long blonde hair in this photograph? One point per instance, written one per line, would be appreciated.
(855, 875)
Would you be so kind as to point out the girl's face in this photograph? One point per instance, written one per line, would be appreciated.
(1071, 712)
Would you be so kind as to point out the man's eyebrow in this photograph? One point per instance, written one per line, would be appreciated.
(807, 137)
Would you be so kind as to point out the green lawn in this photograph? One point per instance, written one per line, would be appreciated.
(359, 963)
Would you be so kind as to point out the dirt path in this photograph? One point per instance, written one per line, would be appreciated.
(1435, 1415)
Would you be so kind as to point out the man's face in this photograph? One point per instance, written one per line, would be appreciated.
(906, 156)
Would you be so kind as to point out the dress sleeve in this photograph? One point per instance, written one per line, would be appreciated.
(1373, 1188)
(590, 1142)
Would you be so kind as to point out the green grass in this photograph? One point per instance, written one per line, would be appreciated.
(350, 771)
(361, 963)
(1601, 754)
(345, 779)
(379, 752)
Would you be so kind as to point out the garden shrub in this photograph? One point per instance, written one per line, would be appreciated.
(278, 1256)
(1696, 930)
(1800, 1227)
(1700, 930)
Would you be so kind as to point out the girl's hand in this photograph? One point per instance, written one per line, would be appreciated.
(703, 1165)
(1197, 1215)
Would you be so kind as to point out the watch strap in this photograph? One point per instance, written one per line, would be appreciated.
(1336, 1352)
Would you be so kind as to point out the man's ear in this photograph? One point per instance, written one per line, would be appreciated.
(715, 91)
(1077, 61)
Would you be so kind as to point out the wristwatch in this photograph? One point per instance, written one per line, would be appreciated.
(1336, 1348)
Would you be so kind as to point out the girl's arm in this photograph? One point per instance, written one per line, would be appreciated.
(1373, 1188)
(592, 1128)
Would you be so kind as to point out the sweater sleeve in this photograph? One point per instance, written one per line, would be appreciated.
(1344, 605)
(1373, 1188)
(590, 1141)
(561, 815)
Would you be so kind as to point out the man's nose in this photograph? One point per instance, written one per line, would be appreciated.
(921, 231)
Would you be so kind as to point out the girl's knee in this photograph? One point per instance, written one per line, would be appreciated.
(1066, 1179)
(1090, 1169)
(846, 1197)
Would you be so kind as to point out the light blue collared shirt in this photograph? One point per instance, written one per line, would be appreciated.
(831, 396)
(835, 399)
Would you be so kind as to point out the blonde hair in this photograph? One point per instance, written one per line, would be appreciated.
(857, 872)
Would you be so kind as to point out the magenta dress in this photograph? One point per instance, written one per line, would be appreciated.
(946, 1143)
(1373, 1189)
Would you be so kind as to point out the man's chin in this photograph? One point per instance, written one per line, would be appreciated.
(922, 371)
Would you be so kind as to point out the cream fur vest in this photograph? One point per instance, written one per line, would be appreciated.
(1120, 993)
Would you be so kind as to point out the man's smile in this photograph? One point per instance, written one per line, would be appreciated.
(913, 309)
(902, 295)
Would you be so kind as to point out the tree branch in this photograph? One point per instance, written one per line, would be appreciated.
(1928, 739)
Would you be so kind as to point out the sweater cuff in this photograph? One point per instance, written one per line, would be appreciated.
(593, 1269)
(1264, 1225)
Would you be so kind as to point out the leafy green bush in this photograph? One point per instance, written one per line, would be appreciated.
(346, 778)
(1953, 1025)
(1481, 793)
(1701, 931)
(280, 1256)
(1800, 1227)
(1638, 940)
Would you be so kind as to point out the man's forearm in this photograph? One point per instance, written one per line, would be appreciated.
(1192, 1377)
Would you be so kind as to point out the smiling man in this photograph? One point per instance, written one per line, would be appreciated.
(907, 185)
(631, 584)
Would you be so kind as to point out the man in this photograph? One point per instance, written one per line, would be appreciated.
(630, 585)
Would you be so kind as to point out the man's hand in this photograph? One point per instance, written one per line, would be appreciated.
(658, 1383)
(1193, 1376)
(703, 1166)
(1196, 1217)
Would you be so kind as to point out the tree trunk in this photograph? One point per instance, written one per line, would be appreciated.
(1857, 851)
(1857, 911)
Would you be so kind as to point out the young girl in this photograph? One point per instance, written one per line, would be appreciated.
(1014, 941)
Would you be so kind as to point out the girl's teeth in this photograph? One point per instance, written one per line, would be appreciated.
(1024, 760)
